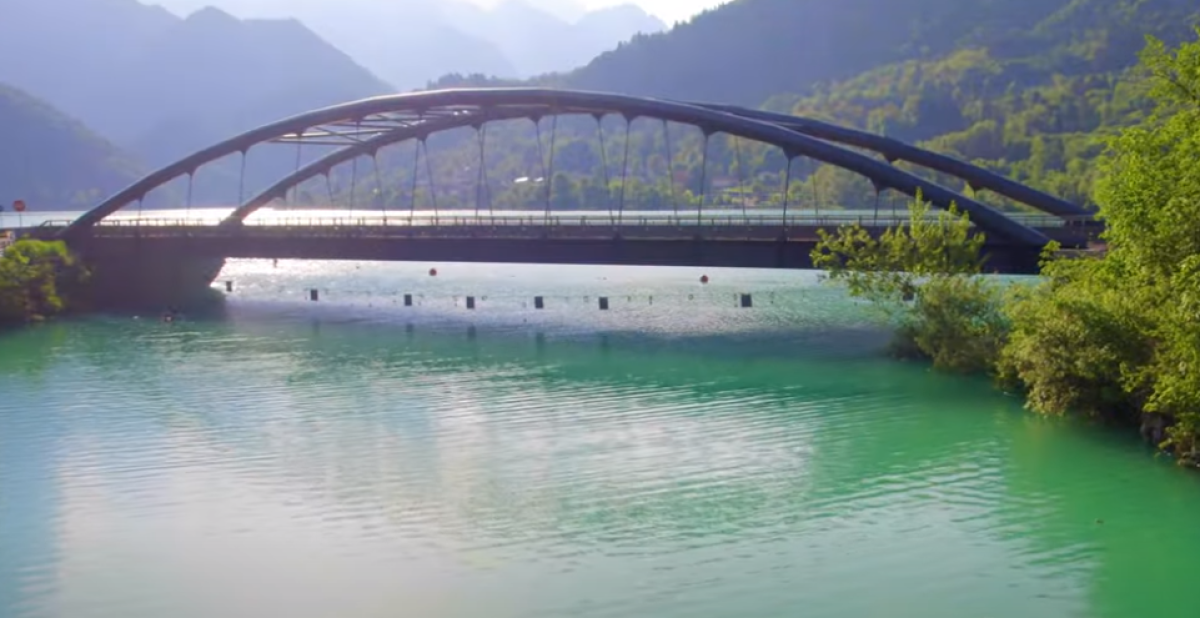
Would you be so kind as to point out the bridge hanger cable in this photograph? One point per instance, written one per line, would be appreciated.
(487, 184)
(670, 167)
(380, 200)
(537, 126)
(354, 173)
(432, 183)
(624, 173)
(188, 207)
(416, 173)
(481, 137)
(329, 188)
(242, 179)
(299, 155)
(812, 178)
(737, 145)
(787, 191)
(550, 178)
(604, 162)
(703, 182)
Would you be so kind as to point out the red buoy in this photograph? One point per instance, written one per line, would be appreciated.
(432, 272)
(704, 279)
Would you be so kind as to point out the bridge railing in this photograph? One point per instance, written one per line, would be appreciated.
(426, 219)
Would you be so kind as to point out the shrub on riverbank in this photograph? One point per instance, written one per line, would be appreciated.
(1116, 337)
(922, 276)
(36, 280)
(1131, 322)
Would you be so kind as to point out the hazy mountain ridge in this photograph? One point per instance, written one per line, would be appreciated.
(53, 161)
(411, 42)
(537, 41)
(127, 69)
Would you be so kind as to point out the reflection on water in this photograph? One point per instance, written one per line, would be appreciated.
(687, 458)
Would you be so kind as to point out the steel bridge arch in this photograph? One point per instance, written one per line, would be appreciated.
(892, 150)
(473, 104)
(896, 150)
(325, 164)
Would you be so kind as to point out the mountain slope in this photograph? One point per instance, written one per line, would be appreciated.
(1026, 87)
(749, 50)
(262, 70)
(66, 46)
(52, 161)
(411, 42)
(125, 68)
(404, 42)
(537, 41)
(1029, 88)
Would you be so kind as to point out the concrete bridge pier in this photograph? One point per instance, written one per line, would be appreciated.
(127, 277)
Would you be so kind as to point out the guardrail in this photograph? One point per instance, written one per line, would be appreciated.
(484, 221)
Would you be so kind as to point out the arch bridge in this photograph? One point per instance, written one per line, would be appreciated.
(678, 234)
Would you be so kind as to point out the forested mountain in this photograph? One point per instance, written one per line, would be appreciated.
(1027, 87)
(52, 161)
(129, 70)
(750, 50)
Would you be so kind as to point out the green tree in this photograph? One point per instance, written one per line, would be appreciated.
(1074, 340)
(36, 278)
(923, 277)
(1120, 336)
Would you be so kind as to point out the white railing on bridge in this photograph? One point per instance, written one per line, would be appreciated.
(498, 220)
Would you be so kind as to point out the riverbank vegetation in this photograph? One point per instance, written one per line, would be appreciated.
(37, 280)
(1115, 337)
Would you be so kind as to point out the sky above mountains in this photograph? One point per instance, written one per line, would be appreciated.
(670, 11)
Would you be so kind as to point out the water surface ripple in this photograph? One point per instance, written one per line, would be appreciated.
(681, 457)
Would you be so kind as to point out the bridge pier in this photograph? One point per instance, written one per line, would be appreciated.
(130, 275)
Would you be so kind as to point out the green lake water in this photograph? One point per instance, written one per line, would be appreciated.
(674, 456)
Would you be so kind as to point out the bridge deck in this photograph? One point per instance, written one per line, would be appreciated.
(1069, 232)
(745, 241)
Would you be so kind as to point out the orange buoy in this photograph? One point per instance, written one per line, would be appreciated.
(432, 272)
(704, 279)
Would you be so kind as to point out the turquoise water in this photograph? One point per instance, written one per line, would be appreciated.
(674, 456)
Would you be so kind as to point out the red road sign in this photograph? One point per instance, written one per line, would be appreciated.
(19, 205)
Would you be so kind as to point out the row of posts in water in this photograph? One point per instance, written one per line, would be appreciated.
(745, 301)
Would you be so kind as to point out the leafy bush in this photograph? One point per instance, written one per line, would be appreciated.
(35, 279)
(923, 277)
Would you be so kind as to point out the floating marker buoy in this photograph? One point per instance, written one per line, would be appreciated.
(432, 272)
(704, 279)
